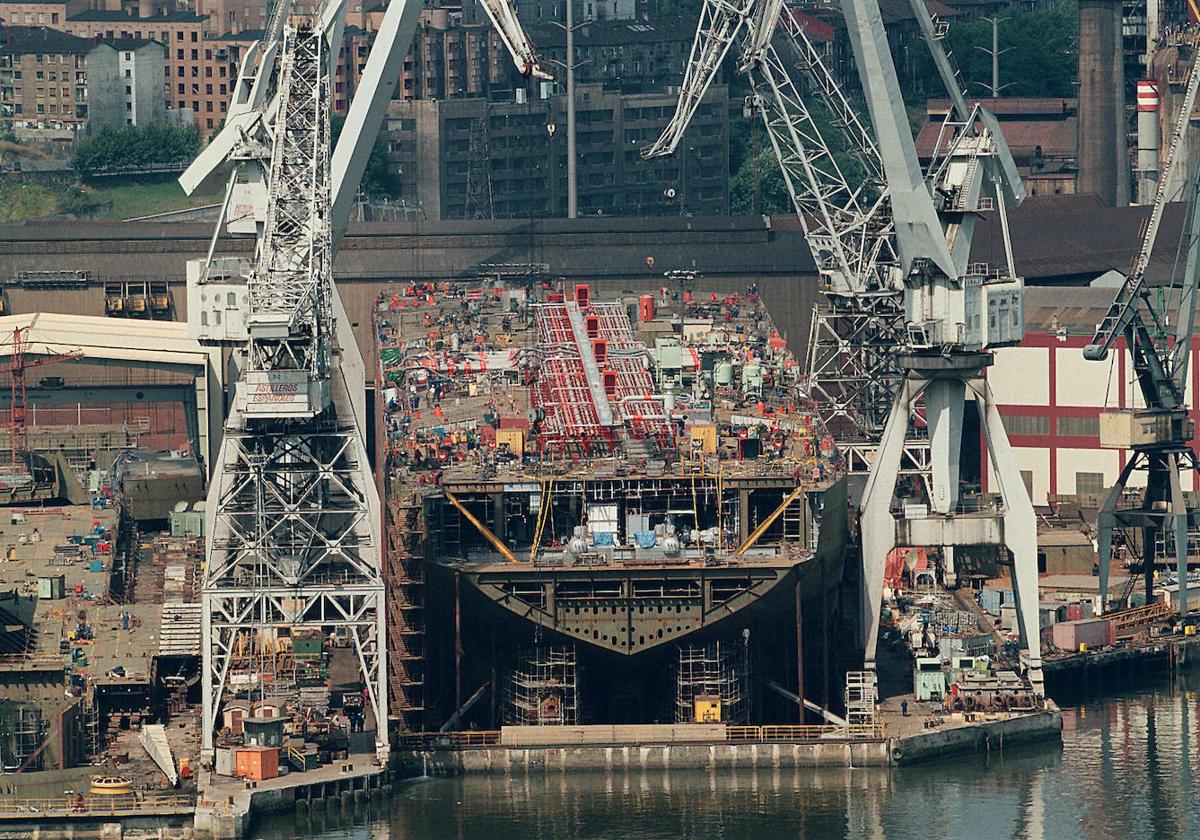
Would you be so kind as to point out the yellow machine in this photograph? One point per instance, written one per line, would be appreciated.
(706, 708)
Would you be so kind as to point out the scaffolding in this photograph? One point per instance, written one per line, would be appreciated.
(405, 605)
(714, 674)
(479, 174)
(861, 698)
(543, 690)
(29, 733)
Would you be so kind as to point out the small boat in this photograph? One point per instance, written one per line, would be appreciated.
(111, 785)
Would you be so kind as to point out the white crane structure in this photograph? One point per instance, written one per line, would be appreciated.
(955, 313)
(293, 537)
(1159, 435)
(898, 236)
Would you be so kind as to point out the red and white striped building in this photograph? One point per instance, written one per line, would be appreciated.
(1051, 397)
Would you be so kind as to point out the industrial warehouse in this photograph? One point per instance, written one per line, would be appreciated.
(308, 520)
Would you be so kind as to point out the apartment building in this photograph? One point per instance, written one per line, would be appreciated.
(468, 158)
(182, 35)
(136, 99)
(38, 12)
(43, 82)
(635, 56)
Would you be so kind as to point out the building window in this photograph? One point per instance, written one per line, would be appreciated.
(1089, 483)
(1078, 426)
(1022, 424)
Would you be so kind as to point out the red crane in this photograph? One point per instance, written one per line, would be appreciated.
(18, 431)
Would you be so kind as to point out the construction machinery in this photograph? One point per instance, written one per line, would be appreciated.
(1158, 435)
(293, 537)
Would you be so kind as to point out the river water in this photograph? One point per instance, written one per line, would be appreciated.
(1126, 770)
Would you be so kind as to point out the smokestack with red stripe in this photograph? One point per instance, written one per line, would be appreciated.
(1147, 140)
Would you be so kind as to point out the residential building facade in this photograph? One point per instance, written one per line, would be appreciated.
(136, 97)
(186, 54)
(469, 158)
(43, 82)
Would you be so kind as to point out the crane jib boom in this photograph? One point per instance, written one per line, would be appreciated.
(1124, 315)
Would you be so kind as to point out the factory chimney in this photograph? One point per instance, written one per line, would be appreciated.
(1147, 140)
(1103, 159)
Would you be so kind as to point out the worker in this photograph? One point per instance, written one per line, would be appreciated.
(904, 708)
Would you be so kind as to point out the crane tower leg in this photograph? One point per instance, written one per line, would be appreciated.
(944, 400)
(1180, 518)
(878, 526)
(1013, 528)
(1020, 530)
(1106, 520)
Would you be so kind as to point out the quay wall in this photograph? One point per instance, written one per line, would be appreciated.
(979, 737)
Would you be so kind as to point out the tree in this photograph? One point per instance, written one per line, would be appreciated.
(756, 184)
(1039, 54)
(133, 147)
(377, 177)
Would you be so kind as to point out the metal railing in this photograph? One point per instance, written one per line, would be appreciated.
(797, 733)
(426, 740)
(87, 806)
(785, 733)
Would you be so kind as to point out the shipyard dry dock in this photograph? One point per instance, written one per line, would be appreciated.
(601, 512)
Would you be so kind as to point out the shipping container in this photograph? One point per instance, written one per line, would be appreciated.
(1008, 617)
(990, 601)
(1074, 612)
(225, 765)
(1092, 632)
(258, 763)
(52, 587)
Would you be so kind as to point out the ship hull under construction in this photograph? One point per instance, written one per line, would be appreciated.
(562, 554)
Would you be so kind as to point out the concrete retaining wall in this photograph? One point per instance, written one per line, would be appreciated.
(979, 737)
(648, 757)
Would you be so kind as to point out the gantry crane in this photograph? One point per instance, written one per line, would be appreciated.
(293, 537)
(1159, 436)
(953, 311)
(956, 312)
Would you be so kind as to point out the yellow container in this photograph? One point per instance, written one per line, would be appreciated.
(1190, 630)
(706, 433)
(514, 439)
(1082, 647)
(706, 708)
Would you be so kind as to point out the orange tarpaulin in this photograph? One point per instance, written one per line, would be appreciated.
(901, 560)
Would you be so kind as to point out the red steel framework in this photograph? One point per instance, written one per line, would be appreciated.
(18, 429)
(564, 394)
